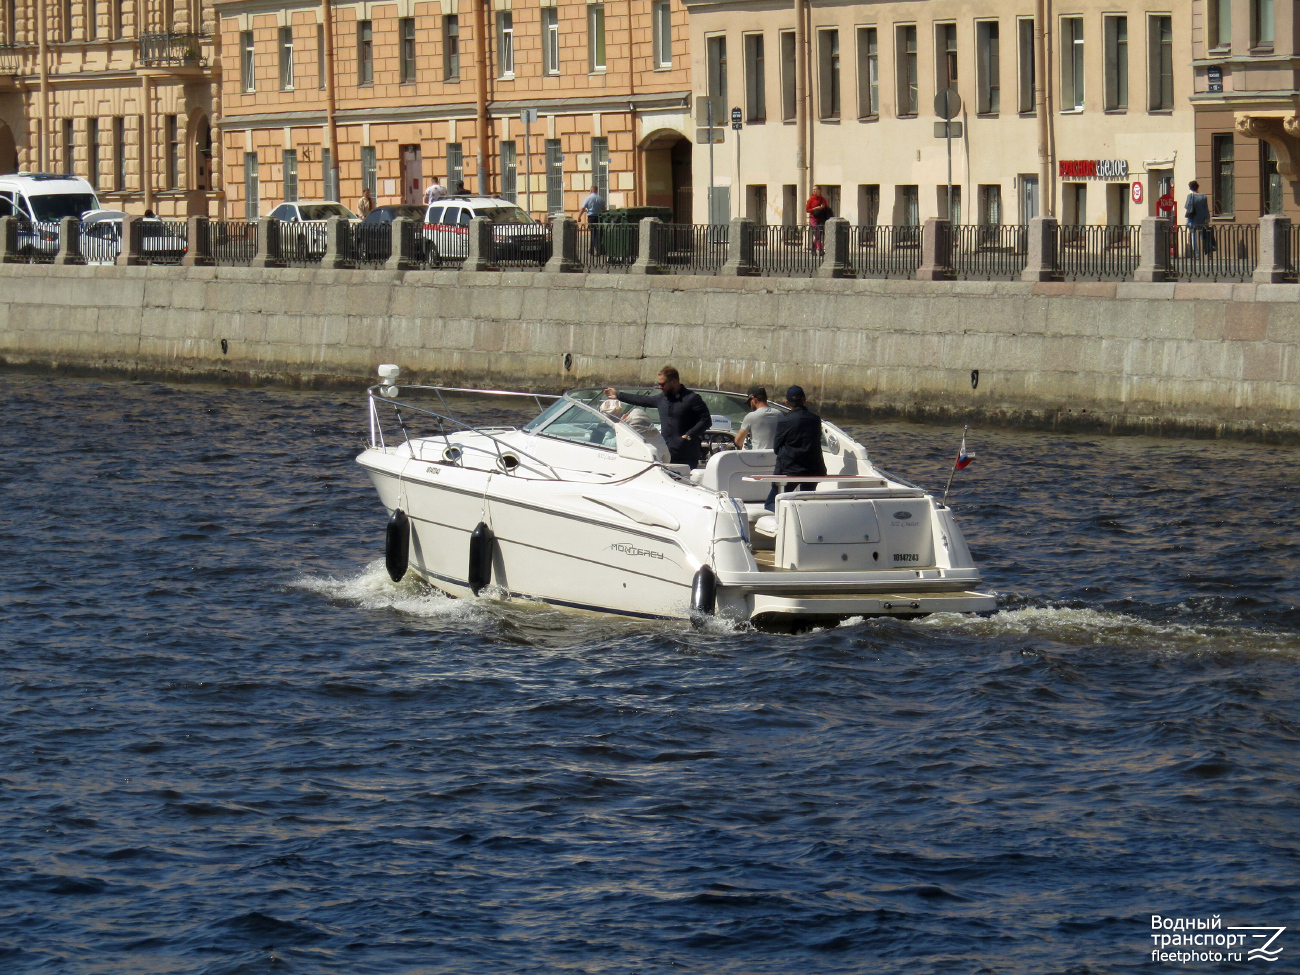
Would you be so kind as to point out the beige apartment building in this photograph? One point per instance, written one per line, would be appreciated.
(421, 89)
(117, 91)
(1119, 118)
(1247, 129)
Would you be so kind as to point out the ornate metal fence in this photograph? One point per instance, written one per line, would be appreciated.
(232, 242)
(989, 252)
(1097, 253)
(693, 248)
(885, 252)
(608, 247)
(302, 243)
(788, 250)
(371, 243)
(1219, 252)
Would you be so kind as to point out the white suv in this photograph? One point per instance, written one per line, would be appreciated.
(302, 225)
(40, 201)
(518, 237)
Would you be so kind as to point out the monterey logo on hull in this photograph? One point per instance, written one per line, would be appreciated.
(625, 548)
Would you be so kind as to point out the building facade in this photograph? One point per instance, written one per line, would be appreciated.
(1247, 129)
(117, 91)
(1119, 120)
(420, 89)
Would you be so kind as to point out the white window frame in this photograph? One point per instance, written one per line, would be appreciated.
(662, 25)
(550, 41)
(505, 44)
(596, 53)
(868, 39)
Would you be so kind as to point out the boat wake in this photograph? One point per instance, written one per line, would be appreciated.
(371, 588)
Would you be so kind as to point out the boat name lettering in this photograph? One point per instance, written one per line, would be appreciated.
(903, 515)
(625, 548)
(906, 557)
(433, 470)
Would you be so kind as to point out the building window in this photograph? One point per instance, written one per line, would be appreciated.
(787, 75)
(509, 171)
(716, 47)
(945, 56)
(290, 176)
(909, 101)
(1221, 159)
(369, 171)
(1074, 199)
(988, 67)
(1116, 30)
(600, 167)
(455, 167)
(1220, 23)
(1160, 38)
(329, 175)
(1072, 64)
(451, 47)
(65, 17)
(596, 36)
(69, 144)
(1261, 23)
(286, 58)
(92, 20)
(868, 73)
(949, 207)
(1025, 42)
(406, 36)
(869, 205)
(554, 177)
(246, 62)
(251, 200)
(990, 203)
(365, 53)
(320, 56)
(663, 34)
(117, 19)
(505, 44)
(1270, 181)
(119, 154)
(755, 79)
(173, 152)
(828, 72)
(756, 203)
(907, 203)
(550, 41)
(92, 151)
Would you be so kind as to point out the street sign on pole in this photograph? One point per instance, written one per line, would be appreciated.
(715, 136)
(709, 110)
(947, 105)
(947, 130)
(736, 119)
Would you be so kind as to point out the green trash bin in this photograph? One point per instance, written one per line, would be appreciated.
(616, 231)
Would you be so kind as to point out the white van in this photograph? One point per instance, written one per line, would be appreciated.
(45, 197)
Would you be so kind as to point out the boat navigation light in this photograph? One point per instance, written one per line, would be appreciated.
(388, 374)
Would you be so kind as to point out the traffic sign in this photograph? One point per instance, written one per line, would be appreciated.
(947, 103)
(709, 110)
(1137, 192)
(735, 119)
(528, 116)
(710, 136)
(947, 130)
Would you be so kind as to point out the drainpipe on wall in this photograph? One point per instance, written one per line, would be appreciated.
(481, 119)
(638, 192)
(332, 131)
(1040, 109)
(42, 127)
(801, 103)
(217, 164)
(146, 141)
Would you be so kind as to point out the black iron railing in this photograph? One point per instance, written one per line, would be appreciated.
(171, 49)
(1218, 252)
(885, 252)
(232, 242)
(989, 252)
(301, 243)
(521, 245)
(1097, 253)
(161, 241)
(101, 242)
(36, 243)
(608, 247)
(788, 250)
(694, 248)
(371, 243)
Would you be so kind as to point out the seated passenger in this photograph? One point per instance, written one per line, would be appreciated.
(758, 426)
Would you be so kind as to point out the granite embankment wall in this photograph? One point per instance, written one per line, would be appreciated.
(1209, 359)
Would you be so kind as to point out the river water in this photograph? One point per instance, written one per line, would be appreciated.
(231, 745)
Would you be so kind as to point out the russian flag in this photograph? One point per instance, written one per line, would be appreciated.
(963, 458)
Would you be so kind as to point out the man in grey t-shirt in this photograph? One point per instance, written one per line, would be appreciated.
(760, 425)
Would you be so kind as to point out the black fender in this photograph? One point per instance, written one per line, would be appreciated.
(704, 594)
(481, 545)
(397, 545)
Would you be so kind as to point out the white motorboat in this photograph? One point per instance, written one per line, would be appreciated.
(573, 509)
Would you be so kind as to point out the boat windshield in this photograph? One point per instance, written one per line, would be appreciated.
(734, 406)
(578, 425)
(546, 416)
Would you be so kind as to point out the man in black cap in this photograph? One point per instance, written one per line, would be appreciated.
(798, 446)
(683, 415)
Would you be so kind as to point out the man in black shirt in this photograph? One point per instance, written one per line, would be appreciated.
(683, 416)
(798, 446)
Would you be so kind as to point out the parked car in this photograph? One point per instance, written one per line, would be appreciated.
(372, 247)
(519, 238)
(40, 201)
(101, 238)
(302, 226)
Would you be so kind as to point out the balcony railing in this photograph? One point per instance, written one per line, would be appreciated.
(171, 49)
(11, 59)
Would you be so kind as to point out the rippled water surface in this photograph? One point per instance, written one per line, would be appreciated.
(230, 744)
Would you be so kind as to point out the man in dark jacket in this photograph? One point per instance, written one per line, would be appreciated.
(798, 446)
(683, 416)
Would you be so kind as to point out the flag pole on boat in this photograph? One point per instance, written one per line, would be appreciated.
(960, 464)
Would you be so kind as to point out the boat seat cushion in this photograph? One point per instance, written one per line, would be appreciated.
(766, 525)
(727, 469)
